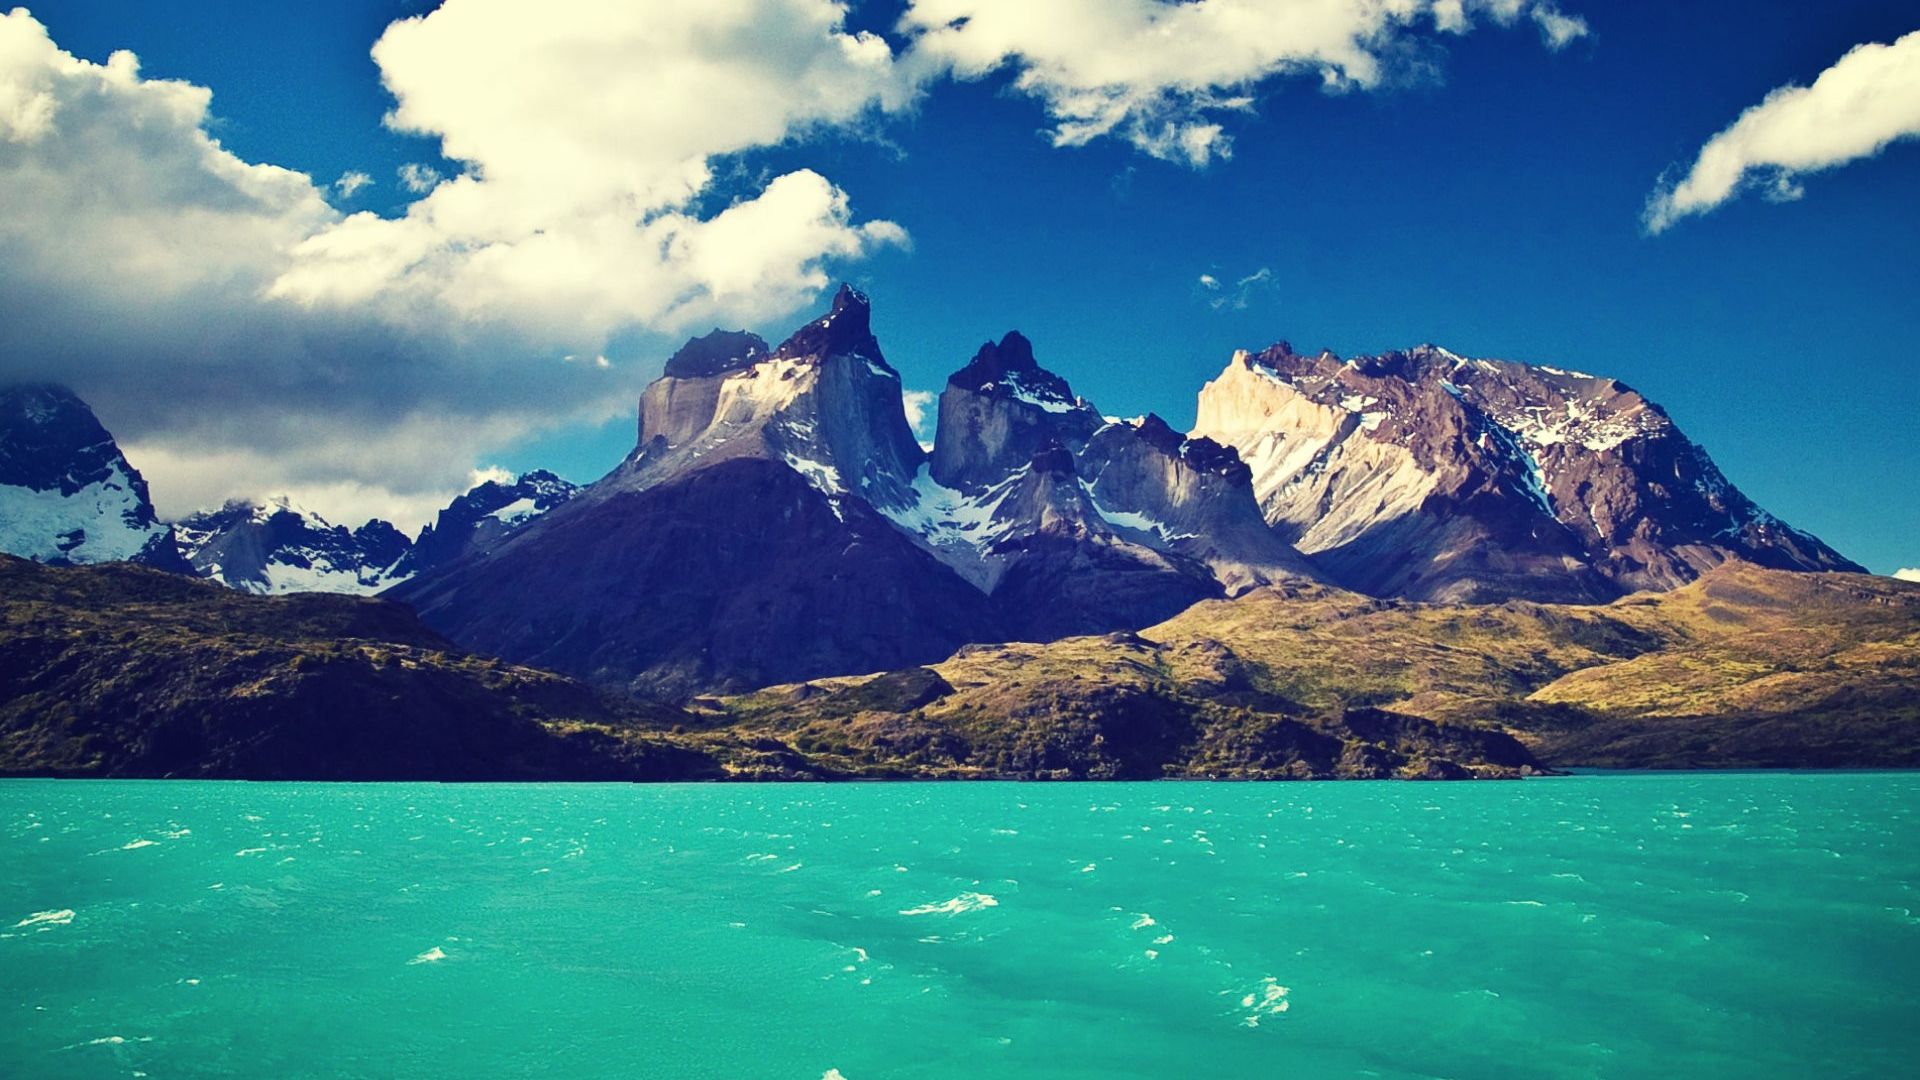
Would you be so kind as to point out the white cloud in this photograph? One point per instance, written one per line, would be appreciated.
(919, 406)
(586, 133)
(239, 334)
(1163, 74)
(418, 178)
(1866, 100)
(1908, 573)
(1237, 298)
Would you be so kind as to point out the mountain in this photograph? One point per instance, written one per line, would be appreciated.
(741, 543)
(67, 494)
(777, 521)
(482, 519)
(1074, 522)
(273, 547)
(1428, 475)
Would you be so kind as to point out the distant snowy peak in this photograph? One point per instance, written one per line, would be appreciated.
(483, 519)
(67, 494)
(271, 546)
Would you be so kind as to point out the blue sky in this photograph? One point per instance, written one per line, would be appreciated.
(1490, 201)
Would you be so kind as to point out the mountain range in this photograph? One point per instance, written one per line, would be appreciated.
(777, 522)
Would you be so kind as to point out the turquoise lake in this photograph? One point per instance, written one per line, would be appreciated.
(1664, 925)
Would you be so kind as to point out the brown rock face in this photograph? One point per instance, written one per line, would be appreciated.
(1000, 410)
(1429, 475)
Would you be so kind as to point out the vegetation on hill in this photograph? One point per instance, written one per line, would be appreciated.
(122, 671)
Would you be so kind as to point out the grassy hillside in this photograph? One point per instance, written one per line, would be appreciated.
(121, 671)
(1744, 667)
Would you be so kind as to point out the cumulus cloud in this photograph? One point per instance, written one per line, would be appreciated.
(350, 183)
(586, 134)
(919, 406)
(1908, 573)
(1163, 74)
(1853, 110)
(241, 335)
(1235, 297)
(418, 178)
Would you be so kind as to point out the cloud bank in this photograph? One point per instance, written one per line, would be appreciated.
(243, 333)
(1866, 100)
(1162, 75)
(240, 334)
(1908, 573)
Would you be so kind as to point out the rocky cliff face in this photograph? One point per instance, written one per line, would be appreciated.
(272, 547)
(1000, 410)
(482, 520)
(825, 403)
(1078, 523)
(1429, 475)
(740, 543)
(67, 494)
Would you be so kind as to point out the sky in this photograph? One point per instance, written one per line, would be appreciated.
(361, 251)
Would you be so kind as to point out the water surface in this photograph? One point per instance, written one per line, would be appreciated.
(1699, 925)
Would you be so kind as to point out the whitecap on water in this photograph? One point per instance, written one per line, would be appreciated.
(1268, 999)
(46, 920)
(970, 901)
(135, 845)
(431, 955)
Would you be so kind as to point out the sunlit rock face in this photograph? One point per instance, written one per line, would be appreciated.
(825, 402)
(1001, 409)
(1430, 475)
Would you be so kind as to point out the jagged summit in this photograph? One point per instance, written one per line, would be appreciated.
(273, 546)
(1008, 369)
(716, 353)
(845, 330)
(824, 403)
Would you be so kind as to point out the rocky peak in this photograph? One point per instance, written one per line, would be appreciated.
(825, 403)
(1463, 478)
(273, 546)
(716, 353)
(67, 494)
(845, 330)
(1008, 369)
(999, 411)
(483, 519)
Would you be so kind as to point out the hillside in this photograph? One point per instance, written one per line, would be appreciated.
(1744, 667)
(122, 671)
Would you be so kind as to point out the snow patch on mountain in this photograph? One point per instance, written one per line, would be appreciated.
(100, 522)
